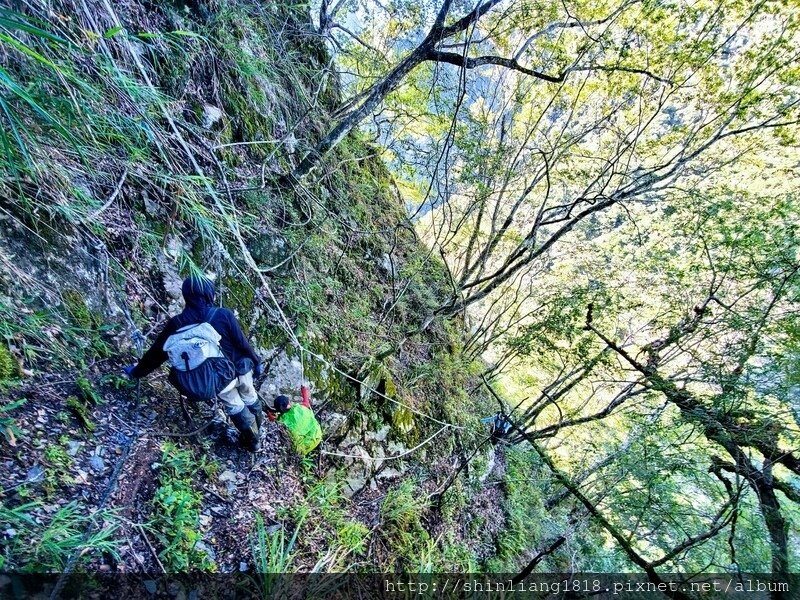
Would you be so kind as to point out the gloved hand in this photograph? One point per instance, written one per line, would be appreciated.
(129, 371)
(257, 370)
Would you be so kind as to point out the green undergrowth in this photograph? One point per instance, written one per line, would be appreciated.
(58, 471)
(402, 528)
(527, 522)
(330, 539)
(405, 519)
(47, 335)
(9, 366)
(8, 423)
(321, 534)
(274, 551)
(81, 412)
(345, 539)
(176, 506)
(83, 401)
(33, 544)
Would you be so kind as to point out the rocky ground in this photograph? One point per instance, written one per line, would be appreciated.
(56, 458)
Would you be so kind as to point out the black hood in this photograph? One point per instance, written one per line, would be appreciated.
(198, 292)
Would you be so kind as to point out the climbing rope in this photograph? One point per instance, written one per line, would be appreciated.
(288, 330)
(382, 395)
(366, 457)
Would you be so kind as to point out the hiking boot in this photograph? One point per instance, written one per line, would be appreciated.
(218, 424)
(249, 441)
(245, 422)
(229, 436)
(257, 409)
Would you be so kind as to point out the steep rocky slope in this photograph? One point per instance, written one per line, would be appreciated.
(148, 141)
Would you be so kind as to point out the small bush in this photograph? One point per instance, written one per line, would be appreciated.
(59, 463)
(87, 392)
(81, 412)
(8, 426)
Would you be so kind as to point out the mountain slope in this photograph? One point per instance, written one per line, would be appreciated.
(144, 142)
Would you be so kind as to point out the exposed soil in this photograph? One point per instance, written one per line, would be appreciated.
(244, 483)
(116, 466)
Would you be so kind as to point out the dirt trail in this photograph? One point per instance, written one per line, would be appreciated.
(75, 465)
(81, 467)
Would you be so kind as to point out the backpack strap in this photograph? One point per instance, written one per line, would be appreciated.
(206, 318)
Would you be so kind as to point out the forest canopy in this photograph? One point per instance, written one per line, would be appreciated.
(613, 188)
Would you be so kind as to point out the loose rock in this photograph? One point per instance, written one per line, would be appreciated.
(211, 116)
(97, 463)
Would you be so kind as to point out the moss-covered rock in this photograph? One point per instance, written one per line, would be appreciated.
(403, 421)
(270, 250)
(9, 366)
(239, 295)
(388, 385)
(78, 310)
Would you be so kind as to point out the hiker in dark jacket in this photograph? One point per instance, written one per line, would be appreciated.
(500, 426)
(239, 398)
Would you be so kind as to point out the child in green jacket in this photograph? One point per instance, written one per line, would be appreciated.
(299, 420)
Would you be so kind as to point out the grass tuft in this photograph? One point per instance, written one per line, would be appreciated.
(29, 545)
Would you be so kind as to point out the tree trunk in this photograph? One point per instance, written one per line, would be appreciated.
(375, 97)
(557, 543)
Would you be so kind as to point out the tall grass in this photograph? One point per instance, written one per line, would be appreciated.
(33, 546)
(75, 116)
(274, 552)
(273, 557)
(76, 112)
(23, 103)
(402, 511)
(86, 103)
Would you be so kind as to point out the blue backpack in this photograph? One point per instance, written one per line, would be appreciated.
(199, 369)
